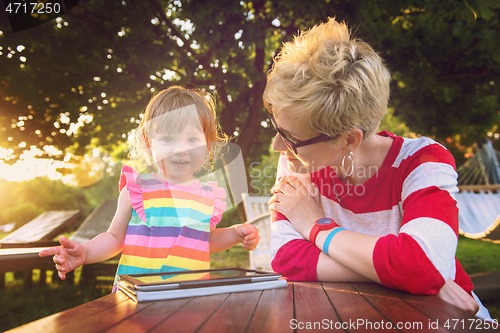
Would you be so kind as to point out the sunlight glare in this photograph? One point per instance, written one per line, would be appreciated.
(30, 168)
(30, 165)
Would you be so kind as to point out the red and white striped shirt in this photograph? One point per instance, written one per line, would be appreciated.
(409, 203)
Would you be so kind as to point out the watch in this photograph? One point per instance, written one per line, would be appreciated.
(321, 224)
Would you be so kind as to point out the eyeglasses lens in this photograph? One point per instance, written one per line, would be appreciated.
(288, 144)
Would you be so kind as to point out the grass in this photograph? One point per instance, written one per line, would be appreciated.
(477, 256)
(18, 306)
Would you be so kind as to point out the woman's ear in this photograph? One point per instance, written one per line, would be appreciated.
(353, 139)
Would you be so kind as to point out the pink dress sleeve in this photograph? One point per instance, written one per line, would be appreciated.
(131, 179)
(219, 193)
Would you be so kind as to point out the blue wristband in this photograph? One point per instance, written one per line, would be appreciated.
(328, 239)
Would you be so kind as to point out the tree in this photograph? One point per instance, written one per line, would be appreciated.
(81, 81)
(444, 73)
(98, 65)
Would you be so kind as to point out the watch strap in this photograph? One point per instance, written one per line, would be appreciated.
(314, 233)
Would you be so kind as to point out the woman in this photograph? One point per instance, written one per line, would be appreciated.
(389, 201)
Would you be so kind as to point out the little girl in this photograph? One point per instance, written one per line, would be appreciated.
(165, 220)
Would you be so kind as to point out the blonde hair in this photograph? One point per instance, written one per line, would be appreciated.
(329, 80)
(170, 110)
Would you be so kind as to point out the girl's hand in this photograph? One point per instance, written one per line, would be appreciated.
(292, 199)
(247, 235)
(67, 257)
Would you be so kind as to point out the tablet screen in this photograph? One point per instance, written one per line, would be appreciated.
(199, 276)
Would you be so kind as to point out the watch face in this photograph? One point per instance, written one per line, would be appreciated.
(324, 221)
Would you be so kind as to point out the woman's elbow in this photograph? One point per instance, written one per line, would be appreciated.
(297, 261)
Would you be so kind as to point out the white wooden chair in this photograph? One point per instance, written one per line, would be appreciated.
(254, 205)
(258, 214)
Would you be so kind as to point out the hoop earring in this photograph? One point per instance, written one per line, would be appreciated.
(349, 157)
(211, 160)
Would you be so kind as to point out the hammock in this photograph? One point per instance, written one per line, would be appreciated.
(479, 214)
(479, 198)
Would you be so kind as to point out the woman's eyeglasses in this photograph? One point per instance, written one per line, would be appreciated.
(293, 146)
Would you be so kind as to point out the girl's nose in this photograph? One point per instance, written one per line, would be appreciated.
(179, 152)
(278, 144)
(181, 148)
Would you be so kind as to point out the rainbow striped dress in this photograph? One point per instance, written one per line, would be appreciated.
(170, 225)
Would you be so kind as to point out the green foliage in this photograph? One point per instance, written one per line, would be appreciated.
(230, 218)
(234, 257)
(444, 68)
(20, 202)
(106, 187)
(23, 201)
(81, 81)
(22, 213)
(393, 124)
(99, 64)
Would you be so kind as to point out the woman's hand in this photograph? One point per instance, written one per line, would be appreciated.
(292, 199)
(67, 257)
(456, 295)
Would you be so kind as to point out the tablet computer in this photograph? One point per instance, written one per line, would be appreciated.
(195, 279)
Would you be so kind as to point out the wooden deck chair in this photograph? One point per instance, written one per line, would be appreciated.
(258, 214)
(97, 222)
(41, 231)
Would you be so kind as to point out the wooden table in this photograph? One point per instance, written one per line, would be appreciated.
(346, 307)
